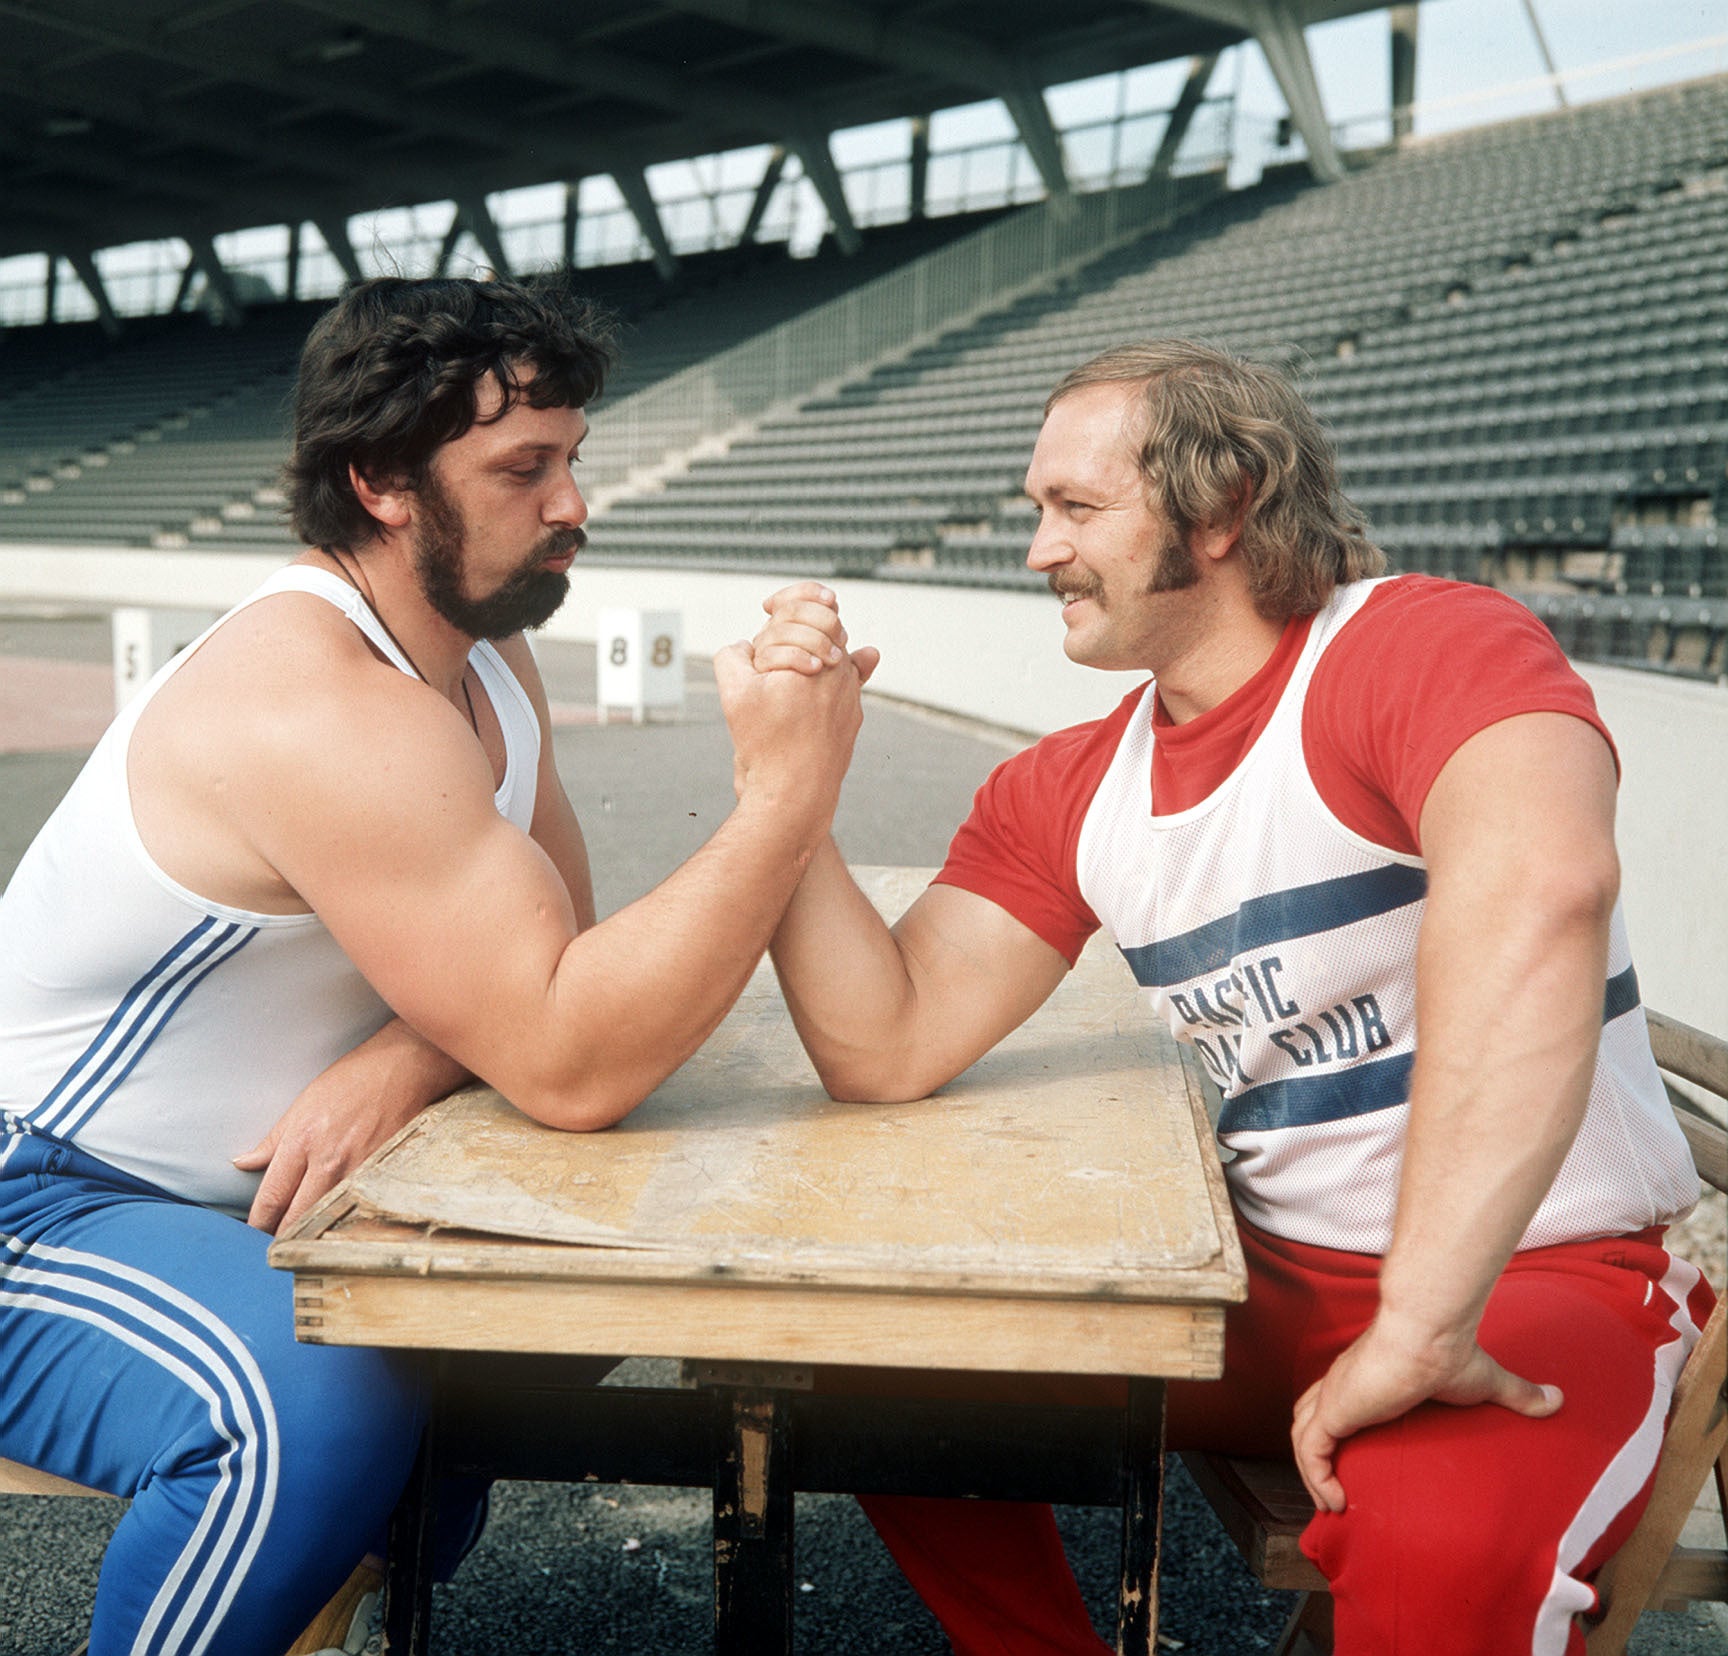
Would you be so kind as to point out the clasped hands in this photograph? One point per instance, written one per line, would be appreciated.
(804, 634)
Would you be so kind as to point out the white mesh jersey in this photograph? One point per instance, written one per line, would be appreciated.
(163, 1032)
(1282, 946)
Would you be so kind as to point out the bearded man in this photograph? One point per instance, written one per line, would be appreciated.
(316, 874)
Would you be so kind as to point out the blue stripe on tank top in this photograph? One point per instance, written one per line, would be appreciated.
(1621, 995)
(1303, 1100)
(1275, 918)
(229, 945)
(116, 1019)
(193, 957)
(1300, 1100)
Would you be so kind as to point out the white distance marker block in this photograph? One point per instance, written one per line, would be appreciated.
(145, 638)
(641, 661)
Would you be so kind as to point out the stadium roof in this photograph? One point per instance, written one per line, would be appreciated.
(131, 120)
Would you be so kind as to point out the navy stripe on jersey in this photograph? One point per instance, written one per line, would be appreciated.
(1622, 995)
(143, 1013)
(199, 1351)
(1302, 1100)
(1276, 918)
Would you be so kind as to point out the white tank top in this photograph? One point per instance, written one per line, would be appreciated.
(160, 1031)
(1282, 946)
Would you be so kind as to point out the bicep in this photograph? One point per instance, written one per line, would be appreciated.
(1535, 790)
(557, 832)
(1518, 834)
(1510, 972)
(457, 918)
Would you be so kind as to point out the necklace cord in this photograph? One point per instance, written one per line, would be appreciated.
(467, 695)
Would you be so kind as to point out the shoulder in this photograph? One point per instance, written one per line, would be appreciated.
(1019, 845)
(287, 697)
(1436, 647)
(1039, 797)
(257, 671)
(1410, 619)
(1421, 667)
(283, 748)
(291, 654)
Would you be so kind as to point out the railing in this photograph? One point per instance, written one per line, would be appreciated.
(872, 324)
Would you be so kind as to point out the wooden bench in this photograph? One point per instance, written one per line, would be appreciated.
(1264, 1507)
(26, 1480)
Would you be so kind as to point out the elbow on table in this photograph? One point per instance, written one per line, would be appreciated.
(588, 1104)
(866, 1078)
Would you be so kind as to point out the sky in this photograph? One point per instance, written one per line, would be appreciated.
(1478, 60)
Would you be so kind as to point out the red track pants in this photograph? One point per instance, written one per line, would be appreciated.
(1468, 1532)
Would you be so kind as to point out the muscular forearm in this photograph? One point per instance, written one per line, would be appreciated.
(416, 1070)
(633, 997)
(888, 1014)
(1510, 973)
(847, 986)
(359, 1102)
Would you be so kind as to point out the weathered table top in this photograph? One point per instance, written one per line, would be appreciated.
(1056, 1208)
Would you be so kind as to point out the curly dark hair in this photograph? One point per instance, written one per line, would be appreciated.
(392, 372)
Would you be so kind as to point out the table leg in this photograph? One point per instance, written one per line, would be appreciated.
(1142, 1517)
(408, 1569)
(753, 1523)
(413, 1532)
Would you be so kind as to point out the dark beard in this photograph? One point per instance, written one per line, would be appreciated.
(528, 599)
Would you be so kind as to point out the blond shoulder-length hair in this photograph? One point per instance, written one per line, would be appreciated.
(1223, 440)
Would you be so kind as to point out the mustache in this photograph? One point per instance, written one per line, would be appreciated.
(1076, 586)
(561, 541)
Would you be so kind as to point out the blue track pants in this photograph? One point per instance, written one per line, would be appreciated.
(147, 1349)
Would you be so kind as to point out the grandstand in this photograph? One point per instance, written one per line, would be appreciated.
(1516, 334)
(174, 434)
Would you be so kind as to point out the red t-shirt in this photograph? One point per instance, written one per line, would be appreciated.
(1423, 667)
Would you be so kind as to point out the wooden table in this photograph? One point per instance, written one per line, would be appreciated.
(1056, 1209)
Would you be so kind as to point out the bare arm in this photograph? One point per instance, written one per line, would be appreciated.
(892, 1014)
(889, 1014)
(554, 828)
(371, 1093)
(1518, 834)
(342, 1117)
(466, 927)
